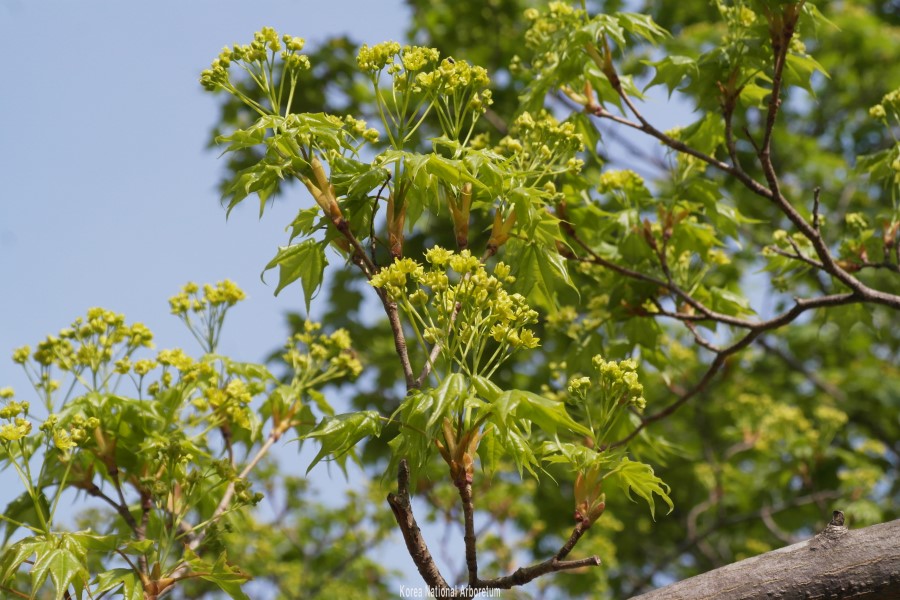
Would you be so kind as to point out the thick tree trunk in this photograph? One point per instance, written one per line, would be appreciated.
(837, 563)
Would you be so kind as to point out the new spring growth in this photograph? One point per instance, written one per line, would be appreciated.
(323, 192)
(590, 501)
(460, 206)
(317, 357)
(459, 453)
(15, 413)
(205, 313)
(258, 59)
(619, 382)
(65, 437)
(456, 304)
(605, 396)
(501, 230)
(540, 147)
(888, 112)
(396, 217)
(93, 349)
(421, 82)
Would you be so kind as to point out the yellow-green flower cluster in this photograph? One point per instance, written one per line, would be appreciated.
(90, 343)
(416, 58)
(542, 146)
(458, 305)
(890, 104)
(67, 436)
(358, 127)
(618, 382)
(13, 409)
(18, 426)
(559, 17)
(625, 180)
(177, 366)
(229, 402)
(374, 59)
(225, 292)
(316, 357)
(210, 307)
(266, 43)
(16, 430)
(453, 75)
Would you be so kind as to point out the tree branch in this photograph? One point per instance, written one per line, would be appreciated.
(523, 575)
(837, 563)
(695, 538)
(412, 535)
(465, 496)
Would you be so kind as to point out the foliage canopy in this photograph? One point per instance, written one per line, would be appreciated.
(561, 311)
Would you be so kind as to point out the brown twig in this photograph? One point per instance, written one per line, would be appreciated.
(465, 496)
(801, 305)
(412, 535)
(523, 575)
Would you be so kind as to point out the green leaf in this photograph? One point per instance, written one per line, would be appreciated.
(705, 135)
(305, 222)
(490, 450)
(138, 547)
(368, 181)
(799, 70)
(13, 556)
(261, 179)
(639, 478)
(642, 331)
(445, 395)
(227, 577)
(304, 261)
(63, 565)
(486, 388)
(519, 447)
(23, 510)
(132, 589)
(244, 138)
(549, 415)
(642, 25)
(339, 434)
(541, 273)
(671, 71)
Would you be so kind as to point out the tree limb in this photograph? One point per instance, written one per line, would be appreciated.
(837, 563)
(412, 535)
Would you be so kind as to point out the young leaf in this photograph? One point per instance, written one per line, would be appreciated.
(541, 273)
(639, 478)
(305, 222)
(341, 433)
(64, 567)
(444, 396)
(227, 577)
(132, 589)
(672, 70)
(304, 261)
(549, 415)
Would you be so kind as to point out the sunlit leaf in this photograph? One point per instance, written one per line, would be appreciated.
(304, 261)
(339, 434)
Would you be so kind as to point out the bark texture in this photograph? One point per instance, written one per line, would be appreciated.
(837, 563)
